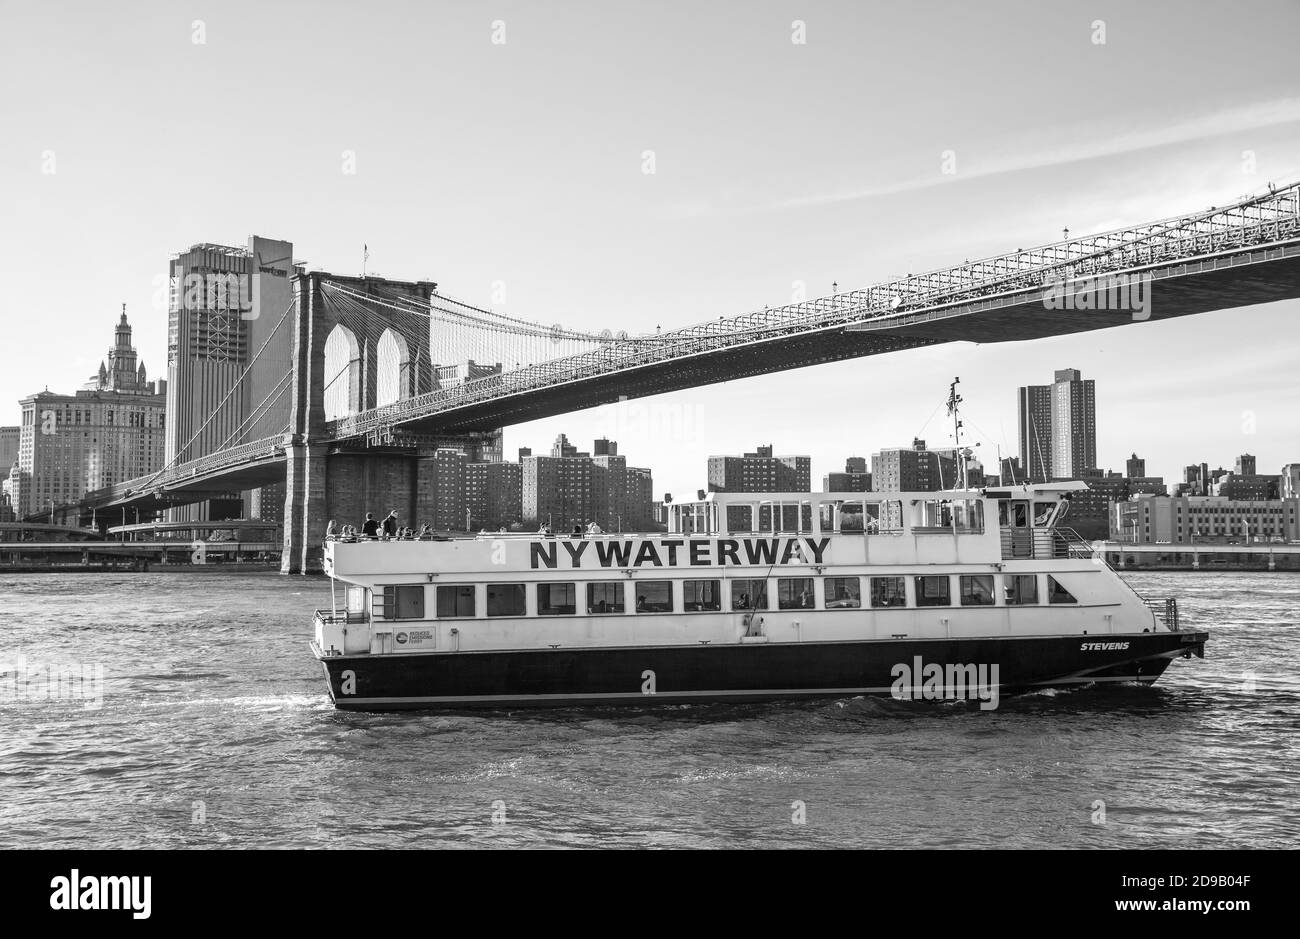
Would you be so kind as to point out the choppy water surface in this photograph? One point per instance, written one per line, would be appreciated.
(215, 730)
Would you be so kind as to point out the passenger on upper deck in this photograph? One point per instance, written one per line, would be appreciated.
(594, 529)
(390, 524)
(371, 527)
(577, 531)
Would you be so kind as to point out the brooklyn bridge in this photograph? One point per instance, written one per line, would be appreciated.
(382, 373)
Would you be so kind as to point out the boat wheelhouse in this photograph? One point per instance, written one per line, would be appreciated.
(748, 596)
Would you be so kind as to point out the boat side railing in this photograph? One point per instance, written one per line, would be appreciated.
(339, 617)
(1165, 610)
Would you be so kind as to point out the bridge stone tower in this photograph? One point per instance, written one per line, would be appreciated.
(349, 357)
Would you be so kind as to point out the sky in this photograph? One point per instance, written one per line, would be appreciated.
(504, 147)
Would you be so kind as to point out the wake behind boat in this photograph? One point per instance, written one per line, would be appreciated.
(967, 594)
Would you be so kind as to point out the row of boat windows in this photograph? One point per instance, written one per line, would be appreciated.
(459, 601)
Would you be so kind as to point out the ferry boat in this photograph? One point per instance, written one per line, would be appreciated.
(965, 594)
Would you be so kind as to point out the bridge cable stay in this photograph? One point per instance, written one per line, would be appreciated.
(238, 384)
(281, 387)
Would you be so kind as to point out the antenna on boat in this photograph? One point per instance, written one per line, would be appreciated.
(954, 400)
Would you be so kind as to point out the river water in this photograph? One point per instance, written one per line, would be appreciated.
(214, 730)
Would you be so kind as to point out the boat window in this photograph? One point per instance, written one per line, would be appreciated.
(1021, 589)
(654, 596)
(357, 602)
(502, 600)
(1019, 515)
(740, 518)
(455, 601)
(851, 516)
(765, 513)
(977, 590)
(794, 593)
(605, 598)
(935, 514)
(1043, 513)
(701, 595)
(932, 590)
(556, 599)
(884, 517)
(843, 593)
(1056, 593)
(404, 602)
(888, 591)
(749, 595)
(968, 514)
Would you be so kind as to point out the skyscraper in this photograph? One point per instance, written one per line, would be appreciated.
(226, 313)
(1035, 419)
(1245, 465)
(1135, 467)
(1058, 427)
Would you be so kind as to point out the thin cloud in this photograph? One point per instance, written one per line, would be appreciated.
(1082, 147)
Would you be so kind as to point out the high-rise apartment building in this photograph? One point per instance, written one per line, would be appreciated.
(1058, 427)
(855, 477)
(494, 495)
(558, 492)
(640, 500)
(760, 471)
(1135, 466)
(914, 470)
(1034, 407)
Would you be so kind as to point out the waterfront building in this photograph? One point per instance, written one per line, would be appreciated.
(1135, 467)
(1150, 519)
(760, 471)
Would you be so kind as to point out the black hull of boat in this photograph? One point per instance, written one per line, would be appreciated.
(981, 670)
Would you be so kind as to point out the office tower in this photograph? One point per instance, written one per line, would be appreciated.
(226, 315)
(1245, 465)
